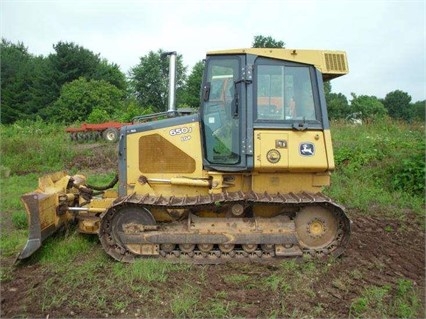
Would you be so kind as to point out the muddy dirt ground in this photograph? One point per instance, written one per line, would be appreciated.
(381, 251)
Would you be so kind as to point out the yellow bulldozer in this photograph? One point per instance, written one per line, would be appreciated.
(240, 179)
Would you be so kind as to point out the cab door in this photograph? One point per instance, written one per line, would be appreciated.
(290, 123)
(223, 113)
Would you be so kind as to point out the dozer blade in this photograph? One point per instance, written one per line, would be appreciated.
(44, 217)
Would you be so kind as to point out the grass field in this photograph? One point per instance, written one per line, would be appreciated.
(379, 178)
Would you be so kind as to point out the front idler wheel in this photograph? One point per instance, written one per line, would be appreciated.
(316, 227)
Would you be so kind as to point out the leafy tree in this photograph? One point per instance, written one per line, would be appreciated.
(81, 97)
(26, 83)
(131, 109)
(337, 103)
(72, 61)
(69, 63)
(32, 84)
(44, 89)
(327, 89)
(419, 109)
(369, 107)
(110, 73)
(398, 105)
(338, 106)
(261, 41)
(16, 78)
(149, 80)
(191, 91)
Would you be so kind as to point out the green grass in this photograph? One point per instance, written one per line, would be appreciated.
(148, 270)
(65, 250)
(183, 304)
(400, 301)
(12, 188)
(386, 161)
(12, 242)
(220, 308)
(100, 179)
(406, 303)
(33, 147)
(238, 279)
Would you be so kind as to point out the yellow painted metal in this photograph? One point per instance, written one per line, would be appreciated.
(189, 181)
(53, 183)
(43, 206)
(329, 149)
(310, 162)
(332, 64)
(88, 224)
(271, 150)
(110, 193)
(288, 182)
(276, 151)
(88, 221)
(144, 249)
(267, 211)
(231, 182)
(42, 210)
(54, 186)
(321, 179)
(100, 204)
(279, 165)
(161, 164)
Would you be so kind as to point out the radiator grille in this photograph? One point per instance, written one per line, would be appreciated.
(158, 155)
(335, 62)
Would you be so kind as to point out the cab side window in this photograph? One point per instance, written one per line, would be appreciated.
(284, 93)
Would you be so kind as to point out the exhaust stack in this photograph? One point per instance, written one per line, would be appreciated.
(172, 82)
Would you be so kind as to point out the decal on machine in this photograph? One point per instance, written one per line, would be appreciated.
(306, 149)
(182, 131)
(273, 156)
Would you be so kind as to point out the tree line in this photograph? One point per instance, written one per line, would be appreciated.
(73, 84)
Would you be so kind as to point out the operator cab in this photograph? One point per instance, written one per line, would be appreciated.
(242, 93)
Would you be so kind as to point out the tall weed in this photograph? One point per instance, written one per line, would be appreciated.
(34, 147)
(385, 160)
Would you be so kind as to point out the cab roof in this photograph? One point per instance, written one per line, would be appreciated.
(331, 64)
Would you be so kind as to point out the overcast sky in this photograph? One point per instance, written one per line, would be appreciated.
(384, 39)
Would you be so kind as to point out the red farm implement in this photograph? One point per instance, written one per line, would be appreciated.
(108, 131)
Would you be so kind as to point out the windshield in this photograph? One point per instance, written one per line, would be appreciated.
(221, 125)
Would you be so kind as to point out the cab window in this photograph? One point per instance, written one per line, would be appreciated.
(284, 93)
(221, 126)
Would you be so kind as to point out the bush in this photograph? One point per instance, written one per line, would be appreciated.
(98, 116)
(386, 160)
(409, 174)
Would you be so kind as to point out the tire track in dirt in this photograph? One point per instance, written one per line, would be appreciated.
(393, 248)
(381, 252)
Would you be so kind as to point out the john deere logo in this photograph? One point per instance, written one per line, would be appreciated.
(306, 149)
